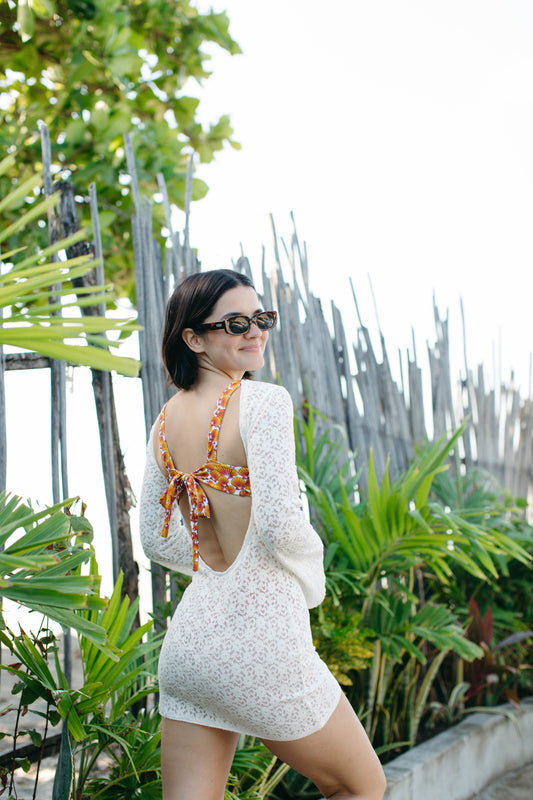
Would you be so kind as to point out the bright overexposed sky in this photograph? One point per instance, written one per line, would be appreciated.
(400, 134)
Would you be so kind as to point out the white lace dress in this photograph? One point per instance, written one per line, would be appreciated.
(238, 653)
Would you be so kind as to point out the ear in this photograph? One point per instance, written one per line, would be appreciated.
(194, 341)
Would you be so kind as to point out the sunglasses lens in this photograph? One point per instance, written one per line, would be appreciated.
(237, 325)
(265, 320)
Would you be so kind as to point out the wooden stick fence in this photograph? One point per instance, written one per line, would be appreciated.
(315, 364)
(351, 384)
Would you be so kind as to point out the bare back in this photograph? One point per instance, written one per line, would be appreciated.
(187, 422)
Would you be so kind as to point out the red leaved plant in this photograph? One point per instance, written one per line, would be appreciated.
(491, 673)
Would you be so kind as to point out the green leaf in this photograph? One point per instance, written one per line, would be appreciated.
(25, 20)
(69, 713)
(91, 356)
(45, 253)
(44, 8)
(21, 191)
(92, 631)
(6, 164)
(64, 775)
(23, 763)
(35, 212)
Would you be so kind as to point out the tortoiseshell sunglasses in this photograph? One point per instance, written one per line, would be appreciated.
(240, 323)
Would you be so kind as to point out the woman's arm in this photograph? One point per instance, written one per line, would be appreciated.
(174, 551)
(268, 435)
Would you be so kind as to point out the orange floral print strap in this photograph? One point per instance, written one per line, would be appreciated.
(216, 420)
(225, 478)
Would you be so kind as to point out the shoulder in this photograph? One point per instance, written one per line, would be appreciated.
(254, 392)
(263, 403)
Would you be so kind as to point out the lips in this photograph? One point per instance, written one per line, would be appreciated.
(251, 349)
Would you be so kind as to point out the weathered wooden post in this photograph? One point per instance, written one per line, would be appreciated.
(58, 395)
(119, 495)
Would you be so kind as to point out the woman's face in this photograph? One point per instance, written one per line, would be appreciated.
(234, 355)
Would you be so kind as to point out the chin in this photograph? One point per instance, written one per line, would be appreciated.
(251, 364)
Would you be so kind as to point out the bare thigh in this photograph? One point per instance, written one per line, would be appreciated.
(338, 758)
(195, 760)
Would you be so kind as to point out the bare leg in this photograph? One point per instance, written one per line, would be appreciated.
(338, 758)
(195, 760)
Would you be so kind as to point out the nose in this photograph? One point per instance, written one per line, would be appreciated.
(254, 330)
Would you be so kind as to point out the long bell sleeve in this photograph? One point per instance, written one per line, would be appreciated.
(267, 429)
(175, 550)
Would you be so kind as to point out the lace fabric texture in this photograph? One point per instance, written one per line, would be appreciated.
(238, 653)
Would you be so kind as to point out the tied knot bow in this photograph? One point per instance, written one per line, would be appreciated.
(198, 502)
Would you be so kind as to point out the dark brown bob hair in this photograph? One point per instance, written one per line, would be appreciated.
(190, 304)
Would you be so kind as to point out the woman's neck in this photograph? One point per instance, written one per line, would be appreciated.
(211, 379)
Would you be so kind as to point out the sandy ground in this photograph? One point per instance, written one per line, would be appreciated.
(517, 785)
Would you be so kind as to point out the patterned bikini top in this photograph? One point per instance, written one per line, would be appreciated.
(233, 480)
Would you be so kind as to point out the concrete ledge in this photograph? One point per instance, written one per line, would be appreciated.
(460, 762)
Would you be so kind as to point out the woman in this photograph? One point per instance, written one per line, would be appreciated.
(238, 656)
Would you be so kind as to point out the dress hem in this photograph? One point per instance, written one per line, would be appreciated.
(233, 729)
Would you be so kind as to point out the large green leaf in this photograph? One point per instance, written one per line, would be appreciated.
(35, 212)
(64, 775)
(118, 619)
(41, 561)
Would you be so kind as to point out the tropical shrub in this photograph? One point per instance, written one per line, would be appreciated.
(340, 640)
(41, 556)
(97, 715)
(44, 551)
(92, 70)
(484, 503)
(493, 677)
(506, 603)
(386, 551)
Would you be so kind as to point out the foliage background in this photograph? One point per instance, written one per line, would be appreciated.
(92, 70)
